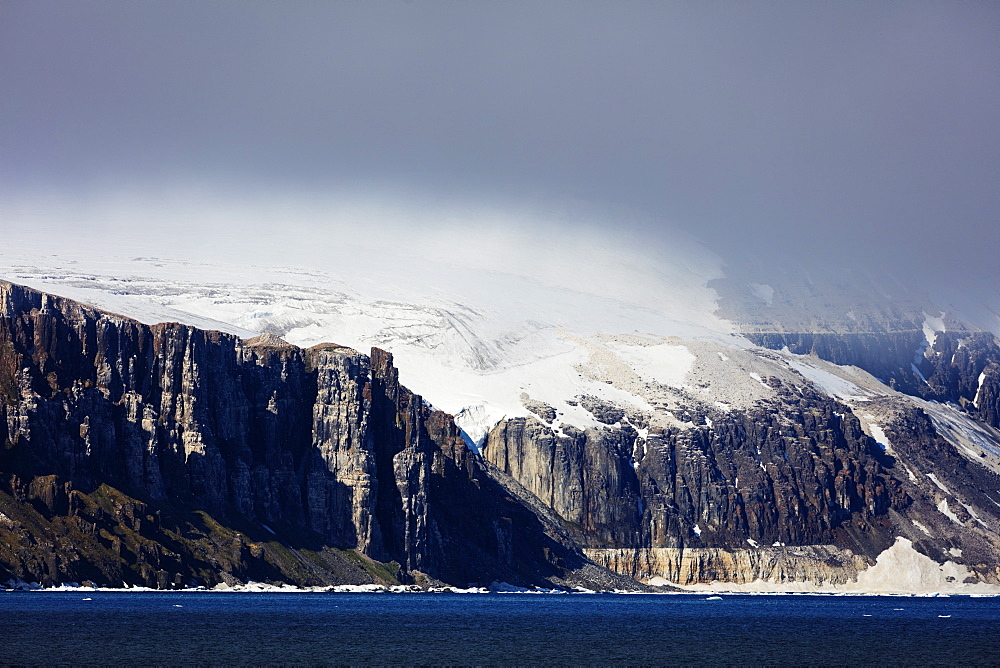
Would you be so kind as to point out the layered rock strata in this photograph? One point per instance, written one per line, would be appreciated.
(318, 449)
(816, 564)
(800, 472)
(786, 488)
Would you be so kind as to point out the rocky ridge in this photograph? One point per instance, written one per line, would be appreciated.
(808, 470)
(191, 456)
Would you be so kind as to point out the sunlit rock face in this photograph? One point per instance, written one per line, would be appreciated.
(798, 470)
(815, 564)
(832, 431)
(321, 447)
(809, 451)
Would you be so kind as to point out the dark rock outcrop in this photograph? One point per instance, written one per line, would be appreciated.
(544, 412)
(798, 474)
(320, 450)
(886, 355)
(602, 411)
(987, 399)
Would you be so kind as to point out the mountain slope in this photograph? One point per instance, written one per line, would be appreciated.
(667, 444)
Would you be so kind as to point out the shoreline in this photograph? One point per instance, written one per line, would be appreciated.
(262, 588)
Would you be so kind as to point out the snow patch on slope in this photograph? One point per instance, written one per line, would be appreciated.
(827, 381)
(933, 326)
(977, 442)
(979, 389)
(874, 429)
(945, 510)
(652, 360)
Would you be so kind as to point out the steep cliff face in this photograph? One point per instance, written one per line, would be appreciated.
(319, 448)
(956, 495)
(584, 476)
(799, 472)
(987, 399)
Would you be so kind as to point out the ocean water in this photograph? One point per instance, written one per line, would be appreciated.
(330, 628)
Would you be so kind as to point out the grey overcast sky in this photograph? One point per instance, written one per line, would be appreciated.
(856, 130)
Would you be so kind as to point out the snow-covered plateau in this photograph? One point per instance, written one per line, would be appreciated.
(472, 340)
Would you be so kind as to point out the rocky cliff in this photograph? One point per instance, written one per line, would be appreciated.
(165, 455)
(793, 484)
(798, 472)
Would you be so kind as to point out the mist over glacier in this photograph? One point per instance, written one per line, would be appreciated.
(483, 303)
(494, 250)
(534, 261)
(487, 189)
(480, 304)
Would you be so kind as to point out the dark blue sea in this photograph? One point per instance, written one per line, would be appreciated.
(330, 628)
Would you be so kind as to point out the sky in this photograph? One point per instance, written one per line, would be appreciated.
(839, 132)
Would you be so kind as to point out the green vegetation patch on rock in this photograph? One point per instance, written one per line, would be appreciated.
(52, 533)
